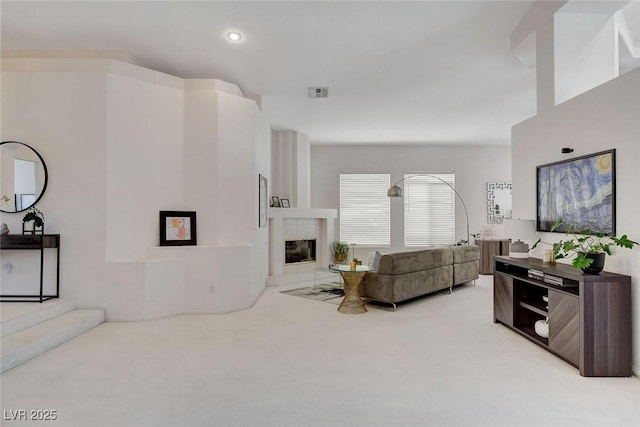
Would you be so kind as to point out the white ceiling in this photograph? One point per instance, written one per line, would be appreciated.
(398, 72)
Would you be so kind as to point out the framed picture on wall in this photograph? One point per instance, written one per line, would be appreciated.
(178, 228)
(581, 191)
(262, 201)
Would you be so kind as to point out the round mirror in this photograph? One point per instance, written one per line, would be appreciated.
(23, 176)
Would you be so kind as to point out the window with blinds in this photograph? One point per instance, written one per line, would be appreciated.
(429, 210)
(364, 209)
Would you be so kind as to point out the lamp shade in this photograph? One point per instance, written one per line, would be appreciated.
(520, 229)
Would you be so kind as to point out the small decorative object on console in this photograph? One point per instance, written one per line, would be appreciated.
(549, 257)
(33, 221)
(542, 328)
(5, 199)
(535, 274)
(555, 280)
(4, 230)
(487, 233)
(519, 231)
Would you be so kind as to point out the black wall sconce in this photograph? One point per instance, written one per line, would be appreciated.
(566, 150)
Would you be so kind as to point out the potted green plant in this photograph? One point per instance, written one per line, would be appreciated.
(339, 251)
(588, 248)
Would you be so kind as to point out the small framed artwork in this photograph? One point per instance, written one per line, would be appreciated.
(275, 202)
(285, 203)
(262, 201)
(178, 228)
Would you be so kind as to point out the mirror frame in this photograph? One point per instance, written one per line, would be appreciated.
(492, 217)
(46, 176)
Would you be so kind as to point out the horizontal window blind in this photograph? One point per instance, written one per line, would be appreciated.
(429, 210)
(364, 209)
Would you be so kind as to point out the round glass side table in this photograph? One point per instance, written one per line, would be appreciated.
(352, 303)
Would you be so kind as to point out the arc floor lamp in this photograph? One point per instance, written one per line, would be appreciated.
(396, 191)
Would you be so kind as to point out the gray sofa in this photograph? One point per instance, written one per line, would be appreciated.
(405, 275)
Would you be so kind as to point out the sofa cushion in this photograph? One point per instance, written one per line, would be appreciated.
(374, 260)
(409, 262)
(465, 272)
(465, 253)
(401, 287)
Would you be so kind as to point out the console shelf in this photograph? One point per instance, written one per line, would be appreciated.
(36, 242)
(535, 308)
(589, 316)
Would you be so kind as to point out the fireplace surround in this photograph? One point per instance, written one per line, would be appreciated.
(298, 224)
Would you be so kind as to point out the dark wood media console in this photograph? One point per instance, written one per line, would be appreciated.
(589, 315)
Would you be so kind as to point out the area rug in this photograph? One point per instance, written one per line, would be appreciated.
(325, 293)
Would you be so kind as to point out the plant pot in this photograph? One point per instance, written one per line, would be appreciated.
(339, 258)
(597, 265)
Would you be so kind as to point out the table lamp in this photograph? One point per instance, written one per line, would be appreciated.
(518, 230)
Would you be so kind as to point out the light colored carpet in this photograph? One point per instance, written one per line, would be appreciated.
(437, 361)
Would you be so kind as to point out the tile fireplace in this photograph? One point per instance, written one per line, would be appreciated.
(298, 243)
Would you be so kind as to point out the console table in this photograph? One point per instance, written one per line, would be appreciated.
(589, 315)
(37, 242)
(488, 249)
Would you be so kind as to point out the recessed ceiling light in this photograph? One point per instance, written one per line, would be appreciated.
(234, 36)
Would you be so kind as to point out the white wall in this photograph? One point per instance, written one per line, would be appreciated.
(259, 251)
(113, 137)
(474, 166)
(605, 117)
(586, 52)
(62, 116)
(223, 134)
(144, 163)
(237, 197)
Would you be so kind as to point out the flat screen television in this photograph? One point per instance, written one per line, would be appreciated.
(581, 191)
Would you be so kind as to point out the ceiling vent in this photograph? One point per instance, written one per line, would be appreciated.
(318, 92)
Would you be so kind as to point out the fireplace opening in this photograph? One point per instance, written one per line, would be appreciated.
(299, 251)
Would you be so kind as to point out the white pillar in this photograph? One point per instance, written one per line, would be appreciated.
(290, 167)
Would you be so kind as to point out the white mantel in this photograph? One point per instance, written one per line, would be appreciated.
(302, 213)
(278, 274)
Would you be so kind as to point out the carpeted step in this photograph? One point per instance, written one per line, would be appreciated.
(19, 316)
(26, 344)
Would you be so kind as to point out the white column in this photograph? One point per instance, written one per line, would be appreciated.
(290, 167)
(276, 246)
